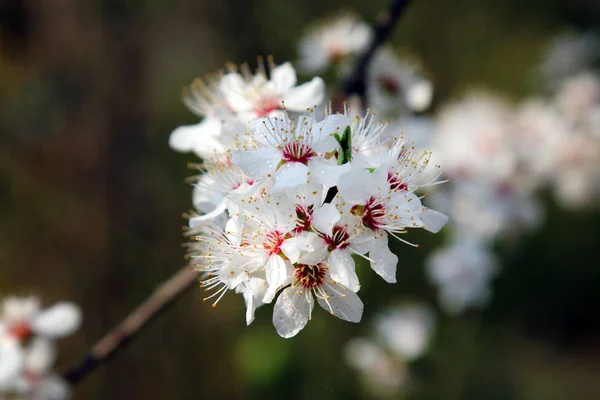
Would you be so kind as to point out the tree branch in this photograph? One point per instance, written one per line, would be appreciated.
(122, 334)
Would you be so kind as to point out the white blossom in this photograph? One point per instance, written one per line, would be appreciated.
(333, 41)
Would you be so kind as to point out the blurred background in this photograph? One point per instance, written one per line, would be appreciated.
(91, 202)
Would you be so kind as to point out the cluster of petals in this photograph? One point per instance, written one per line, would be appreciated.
(332, 41)
(227, 101)
(27, 349)
(297, 199)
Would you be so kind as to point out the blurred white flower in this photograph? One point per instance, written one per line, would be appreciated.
(471, 139)
(462, 271)
(331, 41)
(395, 88)
(27, 350)
(382, 375)
(406, 330)
(229, 101)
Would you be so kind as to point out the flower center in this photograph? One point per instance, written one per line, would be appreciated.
(388, 84)
(273, 242)
(395, 183)
(267, 106)
(303, 218)
(238, 184)
(297, 152)
(372, 213)
(21, 330)
(309, 276)
(338, 239)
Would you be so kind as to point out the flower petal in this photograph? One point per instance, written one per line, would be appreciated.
(418, 95)
(354, 186)
(257, 164)
(433, 220)
(341, 302)
(325, 218)
(41, 356)
(12, 359)
(189, 137)
(290, 175)
(284, 77)
(343, 270)
(384, 261)
(276, 273)
(60, 320)
(304, 96)
(325, 172)
(292, 311)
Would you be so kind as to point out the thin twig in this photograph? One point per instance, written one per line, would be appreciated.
(355, 81)
(122, 334)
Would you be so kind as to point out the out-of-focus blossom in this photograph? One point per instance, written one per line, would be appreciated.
(332, 41)
(381, 375)
(405, 330)
(462, 271)
(401, 335)
(229, 101)
(471, 139)
(395, 88)
(27, 350)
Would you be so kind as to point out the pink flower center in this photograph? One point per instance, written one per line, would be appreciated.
(395, 183)
(267, 106)
(309, 276)
(297, 152)
(238, 184)
(303, 218)
(273, 242)
(388, 84)
(338, 239)
(21, 330)
(372, 213)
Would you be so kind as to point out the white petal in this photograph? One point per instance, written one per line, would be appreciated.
(233, 88)
(276, 273)
(189, 137)
(284, 77)
(301, 97)
(53, 388)
(217, 215)
(290, 175)
(433, 220)
(354, 186)
(325, 172)
(384, 261)
(325, 218)
(41, 356)
(343, 270)
(341, 302)
(323, 131)
(60, 320)
(292, 311)
(12, 359)
(257, 164)
(418, 96)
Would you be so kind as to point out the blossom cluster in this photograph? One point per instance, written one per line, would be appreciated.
(27, 349)
(285, 203)
(500, 158)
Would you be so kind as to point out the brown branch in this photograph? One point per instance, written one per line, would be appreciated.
(163, 297)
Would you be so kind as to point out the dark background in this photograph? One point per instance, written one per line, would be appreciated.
(91, 201)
